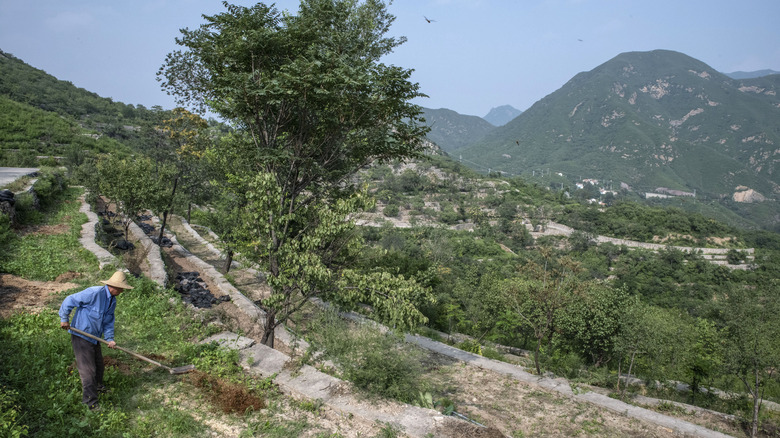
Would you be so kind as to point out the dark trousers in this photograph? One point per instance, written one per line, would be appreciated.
(89, 361)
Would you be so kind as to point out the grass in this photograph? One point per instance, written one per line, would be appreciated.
(18, 185)
(42, 255)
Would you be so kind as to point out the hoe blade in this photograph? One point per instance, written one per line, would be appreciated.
(182, 370)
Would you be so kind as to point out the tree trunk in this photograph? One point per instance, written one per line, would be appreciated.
(268, 330)
(756, 407)
(189, 210)
(162, 228)
(229, 260)
(536, 356)
(630, 366)
(165, 213)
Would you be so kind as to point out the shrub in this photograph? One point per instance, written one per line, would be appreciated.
(391, 210)
(6, 235)
(384, 366)
(734, 257)
(380, 364)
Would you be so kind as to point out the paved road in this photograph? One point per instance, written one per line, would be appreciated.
(11, 174)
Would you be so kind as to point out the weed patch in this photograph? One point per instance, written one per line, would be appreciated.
(378, 363)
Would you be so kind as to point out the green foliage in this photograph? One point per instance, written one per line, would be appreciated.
(704, 357)
(592, 322)
(46, 257)
(325, 108)
(540, 299)
(472, 346)
(134, 185)
(735, 257)
(381, 364)
(752, 334)
(9, 415)
(6, 234)
(22, 126)
(630, 220)
(391, 210)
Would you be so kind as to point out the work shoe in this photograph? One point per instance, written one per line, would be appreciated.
(94, 407)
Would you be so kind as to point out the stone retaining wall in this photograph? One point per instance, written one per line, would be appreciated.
(153, 255)
(88, 235)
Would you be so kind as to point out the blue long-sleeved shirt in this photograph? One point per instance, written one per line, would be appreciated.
(94, 312)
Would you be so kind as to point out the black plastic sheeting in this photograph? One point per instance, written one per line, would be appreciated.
(194, 290)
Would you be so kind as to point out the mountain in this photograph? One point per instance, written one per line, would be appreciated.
(451, 130)
(648, 119)
(501, 115)
(751, 74)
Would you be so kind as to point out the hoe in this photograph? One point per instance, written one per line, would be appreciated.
(177, 370)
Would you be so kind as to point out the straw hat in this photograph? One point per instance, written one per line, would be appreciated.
(118, 280)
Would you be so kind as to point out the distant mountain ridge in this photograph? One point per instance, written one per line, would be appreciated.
(501, 115)
(649, 119)
(751, 74)
(451, 130)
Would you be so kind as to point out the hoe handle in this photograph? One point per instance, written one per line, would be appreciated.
(132, 353)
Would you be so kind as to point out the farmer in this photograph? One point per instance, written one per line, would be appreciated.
(95, 315)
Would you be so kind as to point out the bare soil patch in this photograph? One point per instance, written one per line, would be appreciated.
(67, 276)
(44, 230)
(230, 397)
(518, 409)
(20, 295)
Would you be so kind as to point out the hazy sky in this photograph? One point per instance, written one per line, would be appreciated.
(476, 55)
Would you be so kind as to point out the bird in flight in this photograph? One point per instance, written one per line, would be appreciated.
(428, 19)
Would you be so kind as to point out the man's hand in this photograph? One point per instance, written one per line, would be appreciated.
(65, 325)
(111, 344)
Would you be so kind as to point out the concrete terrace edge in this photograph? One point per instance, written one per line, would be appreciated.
(153, 255)
(307, 382)
(88, 235)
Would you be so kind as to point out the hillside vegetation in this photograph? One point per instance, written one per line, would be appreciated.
(444, 249)
(648, 120)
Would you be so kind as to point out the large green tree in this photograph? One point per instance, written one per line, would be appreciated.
(312, 103)
(541, 297)
(752, 331)
(133, 184)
